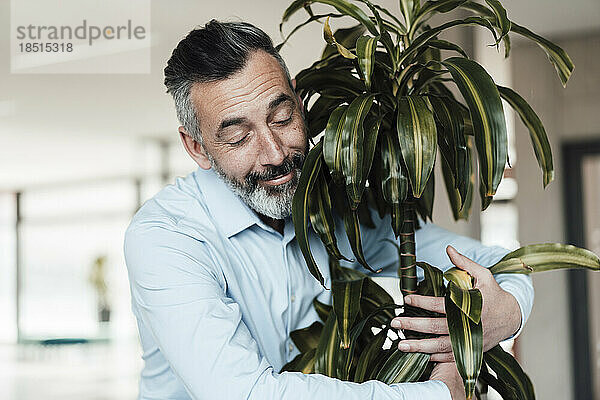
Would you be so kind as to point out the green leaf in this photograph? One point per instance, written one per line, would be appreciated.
(321, 216)
(319, 113)
(346, 304)
(428, 34)
(373, 297)
(460, 207)
(352, 227)
(466, 337)
(368, 356)
(365, 50)
(433, 282)
(557, 56)
(403, 367)
(459, 277)
(452, 140)
(510, 372)
(342, 6)
(297, 27)
(342, 83)
(332, 143)
(326, 353)
(307, 338)
(352, 150)
(487, 114)
(394, 180)
(446, 45)
(304, 362)
(407, 7)
(546, 257)
(502, 20)
(430, 7)
(370, 143)
(300, 213)
(424, 204)
(417, 135)
(469, 301)
(539, 139)
(322, 309)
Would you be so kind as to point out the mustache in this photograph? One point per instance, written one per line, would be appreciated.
(292, 162)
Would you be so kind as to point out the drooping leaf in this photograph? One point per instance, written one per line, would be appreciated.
(321, 217)
(328, 36)
(342, 6)
(424, 204)
(501, 17)
(417, 135)
(466, 338)
(308, 21)
(322, 309)
(557, 56)
(326, 353)
(365, 51)
(446, 45)
(352, 227)
(459, 277)
(487, 114)
(394, 180)
(546, 257)
(352, 148)
(368, 356)
(403, 367)
(539, 139)
(307, 338)
(468, 300)
(452, 140)
(346, 304)
(346, 37)
(433, 282)
(318, 115)
(300, 213)
(509, 372)
(332, 142)
(303, 362)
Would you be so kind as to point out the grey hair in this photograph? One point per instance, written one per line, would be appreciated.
(208, 54)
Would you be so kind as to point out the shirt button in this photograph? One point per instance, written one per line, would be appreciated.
(290, 347)
(293, 297)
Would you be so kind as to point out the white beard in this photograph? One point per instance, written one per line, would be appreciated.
(274, 202)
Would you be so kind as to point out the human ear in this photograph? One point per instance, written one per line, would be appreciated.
(194, 149)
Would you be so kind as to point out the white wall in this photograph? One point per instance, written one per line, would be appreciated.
(567, 114)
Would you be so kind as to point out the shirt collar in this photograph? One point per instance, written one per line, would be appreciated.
(230, 213)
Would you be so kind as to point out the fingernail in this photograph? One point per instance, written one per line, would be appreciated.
(403, 347)
(395, 324)
(407, 300)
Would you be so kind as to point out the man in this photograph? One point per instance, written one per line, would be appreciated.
(217, 279)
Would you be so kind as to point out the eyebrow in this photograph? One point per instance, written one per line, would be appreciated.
(281, 98)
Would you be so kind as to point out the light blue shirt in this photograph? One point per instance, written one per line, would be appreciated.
(216, 293)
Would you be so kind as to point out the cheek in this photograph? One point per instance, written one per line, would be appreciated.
(296, 138)
(238, 163)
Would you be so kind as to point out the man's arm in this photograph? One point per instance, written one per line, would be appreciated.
(199, 329)
(431, 241)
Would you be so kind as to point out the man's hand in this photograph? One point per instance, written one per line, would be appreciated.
(447, 373)
(500, 315)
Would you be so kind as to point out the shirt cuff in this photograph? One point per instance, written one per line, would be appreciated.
(428, 390)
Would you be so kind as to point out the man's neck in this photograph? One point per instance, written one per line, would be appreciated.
(277, 224)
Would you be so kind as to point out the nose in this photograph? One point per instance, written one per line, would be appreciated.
(271, 151)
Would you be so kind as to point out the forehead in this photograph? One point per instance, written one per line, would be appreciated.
(244, 93)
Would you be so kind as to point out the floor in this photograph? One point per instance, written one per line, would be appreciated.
(104, 371)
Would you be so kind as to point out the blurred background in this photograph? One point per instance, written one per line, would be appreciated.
(80, 152)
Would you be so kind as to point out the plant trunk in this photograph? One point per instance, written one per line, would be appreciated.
(408, 259)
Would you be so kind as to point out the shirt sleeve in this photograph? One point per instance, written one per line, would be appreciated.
(199, 329)
(431, 241)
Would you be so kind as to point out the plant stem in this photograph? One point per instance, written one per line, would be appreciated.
(408, 259)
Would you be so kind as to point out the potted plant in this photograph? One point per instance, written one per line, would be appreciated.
(98, 280)
(383, 107)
